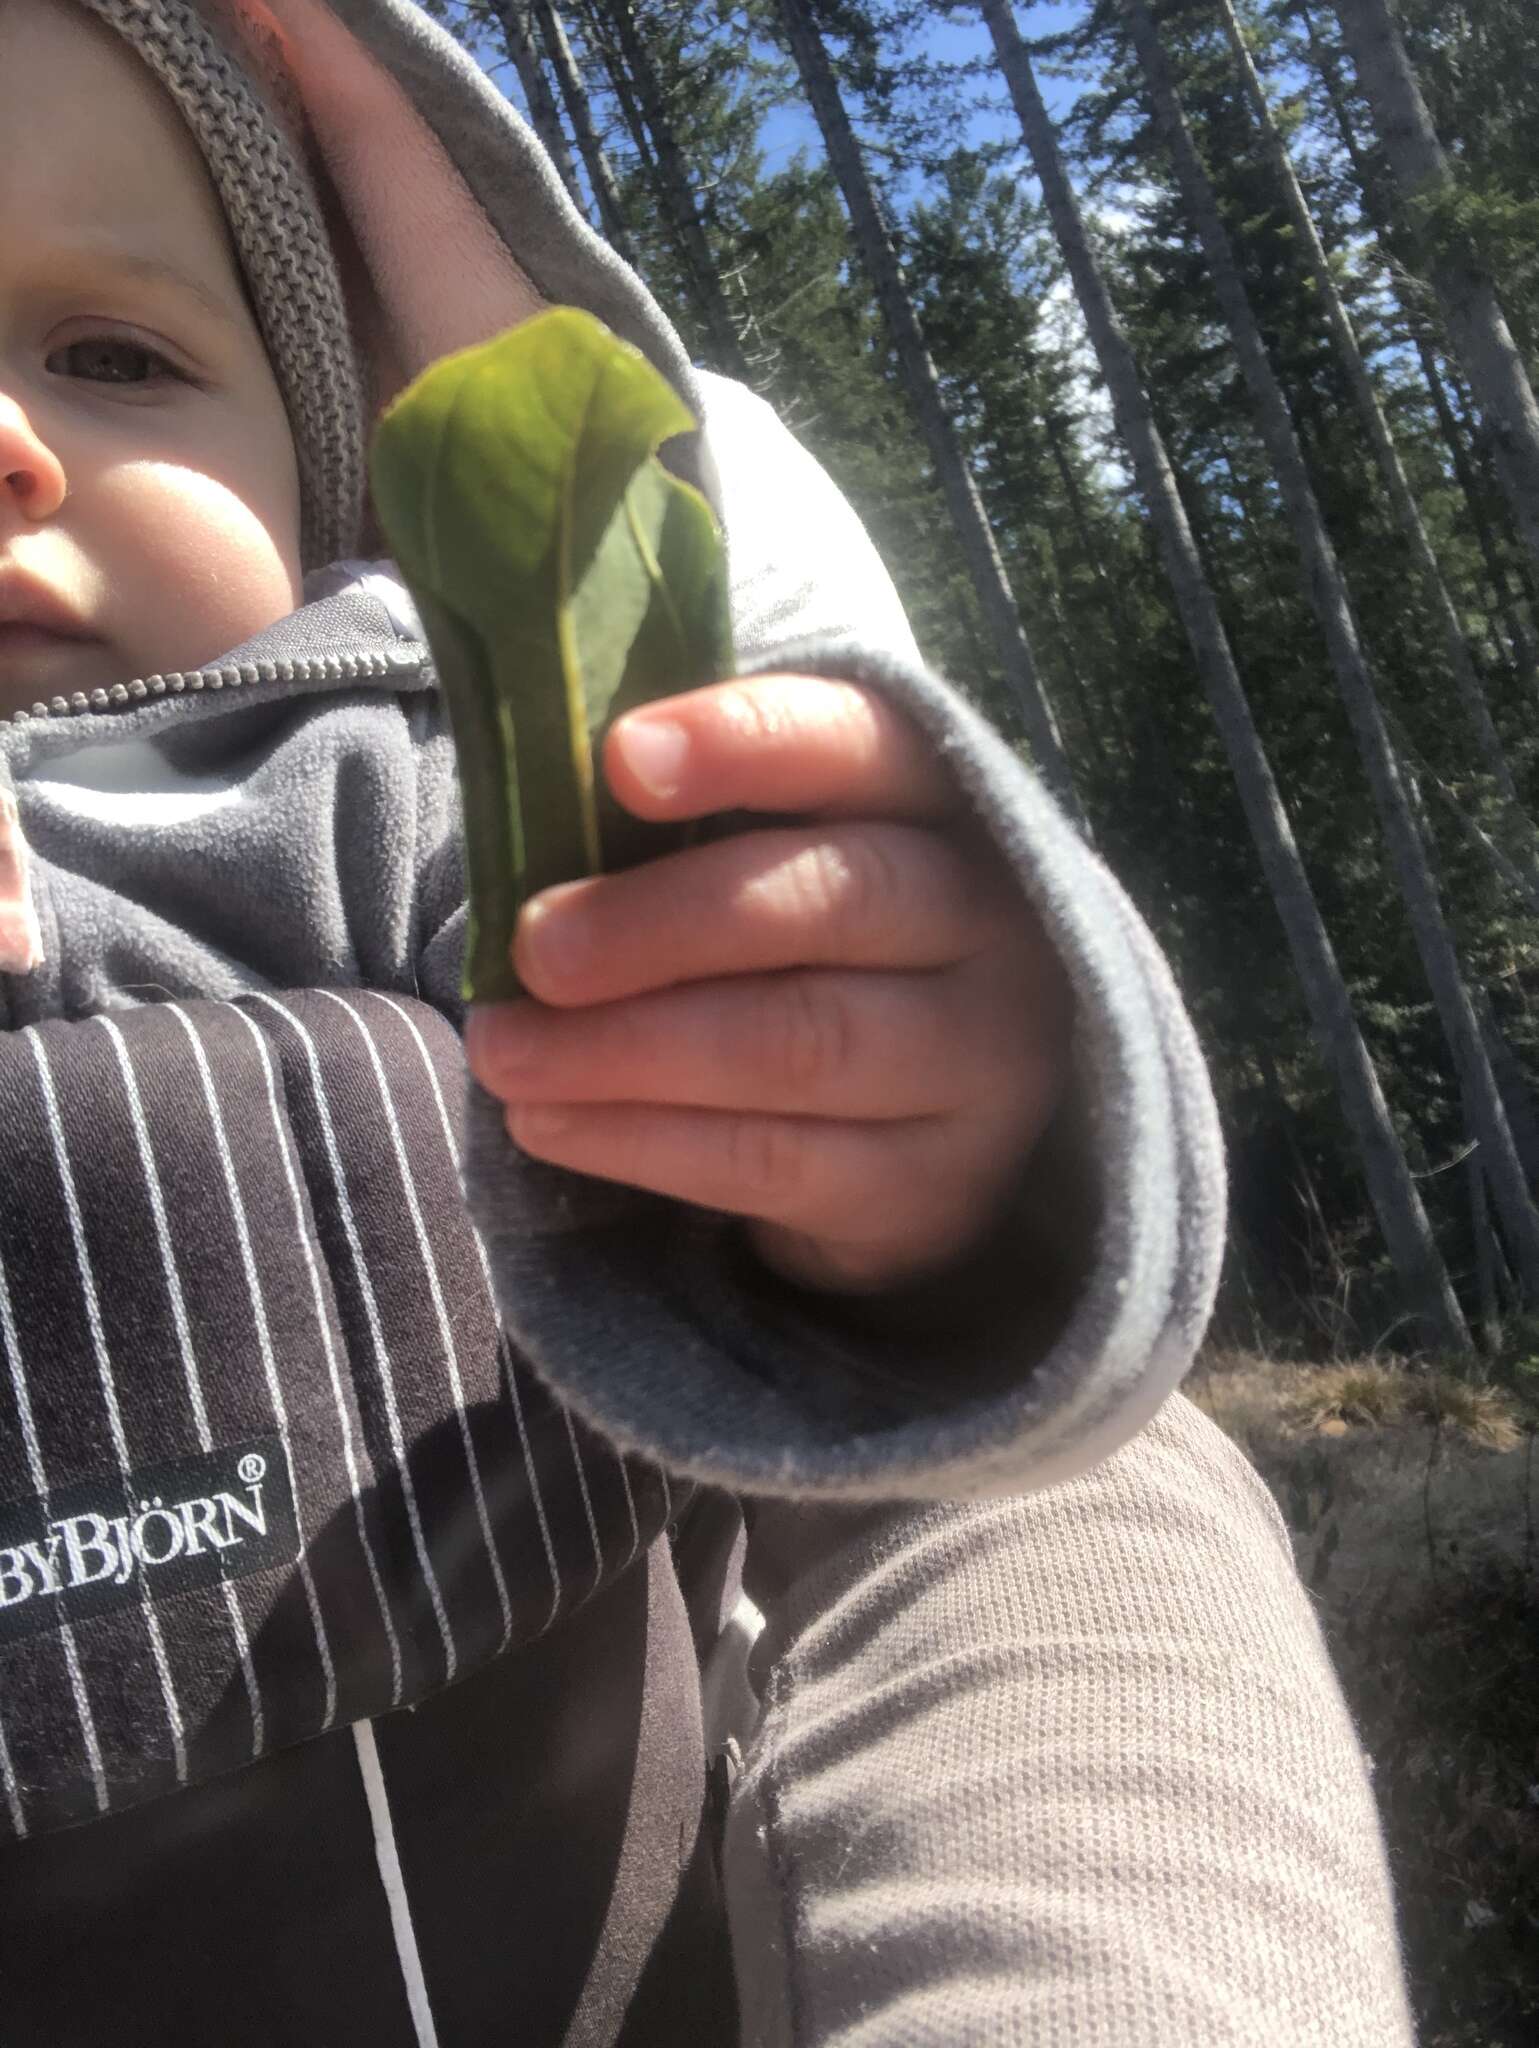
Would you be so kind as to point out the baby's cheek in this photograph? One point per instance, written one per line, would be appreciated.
(196, 565)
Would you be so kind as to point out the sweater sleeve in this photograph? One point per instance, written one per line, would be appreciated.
(1073, 1767)
(651, 1317)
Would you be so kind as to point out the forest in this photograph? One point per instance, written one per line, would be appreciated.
(1179, 357)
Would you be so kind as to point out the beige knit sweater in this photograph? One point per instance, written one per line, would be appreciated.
(1172, 1842)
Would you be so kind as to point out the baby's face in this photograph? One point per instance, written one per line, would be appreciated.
(149, 498)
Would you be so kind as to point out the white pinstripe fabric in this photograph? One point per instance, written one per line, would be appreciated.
(190, 1371)
(376, 1331)
(8, 1779)
(264, 1342)
(510, 1380)
(510, 1369)
(406, 1187)
(441, 1313)
(625, 1478)
(323, 1325)
(38, 1476)
(587, 1501)
(108, 1385)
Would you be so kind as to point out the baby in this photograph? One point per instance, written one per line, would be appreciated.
(849, 1032)
(784, 1185)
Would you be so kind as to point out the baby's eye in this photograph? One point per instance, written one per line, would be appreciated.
(110, 359)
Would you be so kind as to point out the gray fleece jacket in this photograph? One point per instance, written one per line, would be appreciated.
(288, 817)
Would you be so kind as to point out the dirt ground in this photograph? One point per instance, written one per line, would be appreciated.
(1411, 1495)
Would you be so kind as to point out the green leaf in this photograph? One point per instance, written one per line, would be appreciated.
(563, 577)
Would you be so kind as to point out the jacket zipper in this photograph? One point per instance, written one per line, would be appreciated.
(232, 675)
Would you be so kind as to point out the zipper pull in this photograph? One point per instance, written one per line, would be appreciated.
(21, 942)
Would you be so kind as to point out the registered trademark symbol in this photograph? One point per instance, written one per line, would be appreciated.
(252, 1468)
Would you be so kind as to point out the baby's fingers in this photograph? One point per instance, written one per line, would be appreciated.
(868, 1045)
(849, 895)
(807, 1181)
(779, 744)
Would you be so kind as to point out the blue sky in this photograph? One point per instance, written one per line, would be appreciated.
(952, 41)
(791, 128)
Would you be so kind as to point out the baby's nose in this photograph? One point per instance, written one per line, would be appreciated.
(31, 475)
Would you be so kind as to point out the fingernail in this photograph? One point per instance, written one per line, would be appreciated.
(534, 1122)
(556, 936)
(655, 750)
(501, 1037)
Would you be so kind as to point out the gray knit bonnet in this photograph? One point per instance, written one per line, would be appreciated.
(285, 253)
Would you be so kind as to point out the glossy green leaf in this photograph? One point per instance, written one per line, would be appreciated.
(563, 577)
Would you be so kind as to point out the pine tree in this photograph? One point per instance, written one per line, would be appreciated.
(1012, 647)
(574, 93)
(1523, 867)
(624, 43)
(1503, 599)
(517, 24)
(1503, 596)
(979, 275)
(1332, 605)
(1396, 1202)
(1466, 292)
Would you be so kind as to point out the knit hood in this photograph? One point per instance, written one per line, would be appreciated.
(449, 220)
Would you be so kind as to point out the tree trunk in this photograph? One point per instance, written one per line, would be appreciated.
(1466, 293)
(1488, 1316)
(1376, 212)
(601, 175)
(674, 191)
(1093, 719)
(1124, 640)
(1252, 546)
(1396, 1202)
(596, 34)
(1513, 1080)
(517, 27)
(1456, 650)
(1503, 598)
(1477, 435)
(1112, 627)
(1521, 883)
(979, 548)
(1325, 587)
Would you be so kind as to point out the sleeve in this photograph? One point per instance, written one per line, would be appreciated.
(1069, 1767)
(652, 1319)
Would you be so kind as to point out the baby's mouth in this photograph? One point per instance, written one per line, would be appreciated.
(18, 634)
(46, 648)
(39, 662)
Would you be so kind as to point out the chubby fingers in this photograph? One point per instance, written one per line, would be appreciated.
(811, 1043)
(777, 743)
(864, 1123)
(841, 895)
(873, 1203)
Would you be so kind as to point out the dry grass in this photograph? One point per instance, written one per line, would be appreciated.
(1256, 1398)
(1410, 1495)
(1385, 1473)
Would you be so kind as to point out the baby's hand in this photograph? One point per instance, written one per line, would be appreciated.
(848, 1030)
